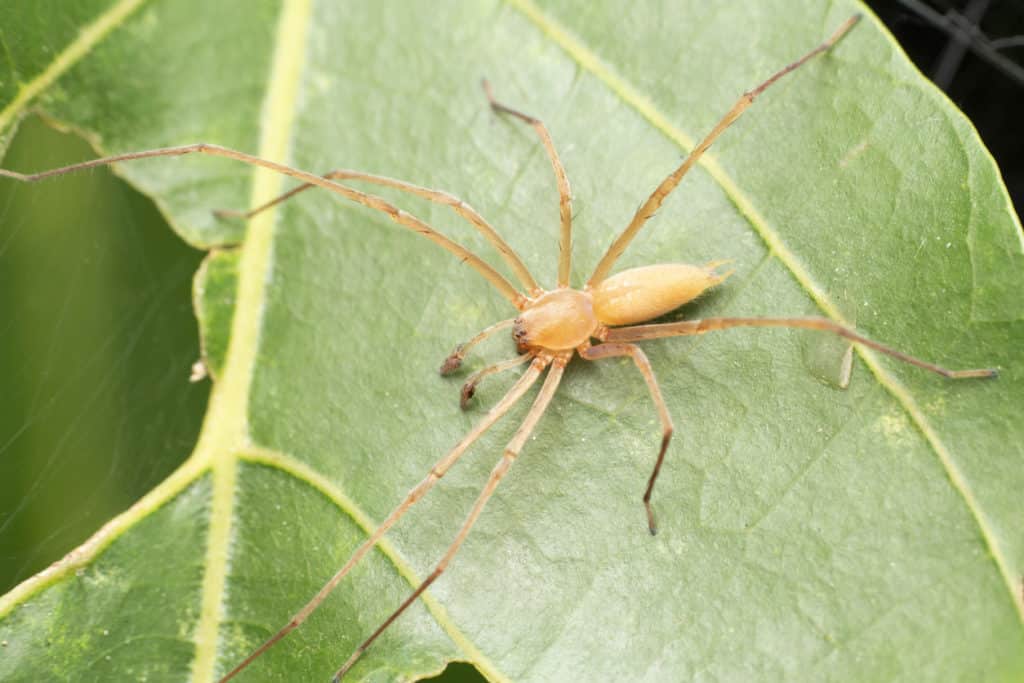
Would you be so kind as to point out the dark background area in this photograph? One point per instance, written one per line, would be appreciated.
(974, 51)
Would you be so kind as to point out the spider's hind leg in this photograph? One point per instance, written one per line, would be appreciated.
(644, 366)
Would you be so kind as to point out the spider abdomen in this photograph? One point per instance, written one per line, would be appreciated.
(558, 320)
(640, 294)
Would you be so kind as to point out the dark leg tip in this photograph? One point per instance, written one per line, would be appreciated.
(468, 391)
(651, 524)
(451, 363)
(227, 214)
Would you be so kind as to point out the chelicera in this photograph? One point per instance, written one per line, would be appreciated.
(604, 319)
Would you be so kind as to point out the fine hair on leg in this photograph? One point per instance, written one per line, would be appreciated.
(540, 404)
(561, 179)
(417, 492)
(653, 203)
(403, 218)
(437, 196)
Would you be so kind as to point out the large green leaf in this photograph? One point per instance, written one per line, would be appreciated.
(807, 532)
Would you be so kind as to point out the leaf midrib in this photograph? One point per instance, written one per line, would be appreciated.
(589, 60)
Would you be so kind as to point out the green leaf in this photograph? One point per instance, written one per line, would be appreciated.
(216, 284)
(807, 532)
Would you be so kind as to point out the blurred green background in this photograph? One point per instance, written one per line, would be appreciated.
(97, 338)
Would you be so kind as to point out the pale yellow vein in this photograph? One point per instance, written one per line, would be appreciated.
(225, 429)
(305, 473)
(84, 554)
(87, 38)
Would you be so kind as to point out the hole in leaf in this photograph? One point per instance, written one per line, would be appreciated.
(458, 672)
(96, 340)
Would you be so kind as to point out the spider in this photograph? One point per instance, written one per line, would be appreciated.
(551, 326)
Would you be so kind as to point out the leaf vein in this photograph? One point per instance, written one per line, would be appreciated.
(632, 97)
(306, 474)
(87, 38)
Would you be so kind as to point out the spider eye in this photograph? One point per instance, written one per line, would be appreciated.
(519, 332)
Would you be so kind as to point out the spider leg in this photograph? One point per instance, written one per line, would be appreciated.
(644, 366)
(454, 360)
(417, 492)
(437, 196)
(469, 388)
(368, 200)
(540, 404)
(564, 194)
(691, 327)
(653, 203)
